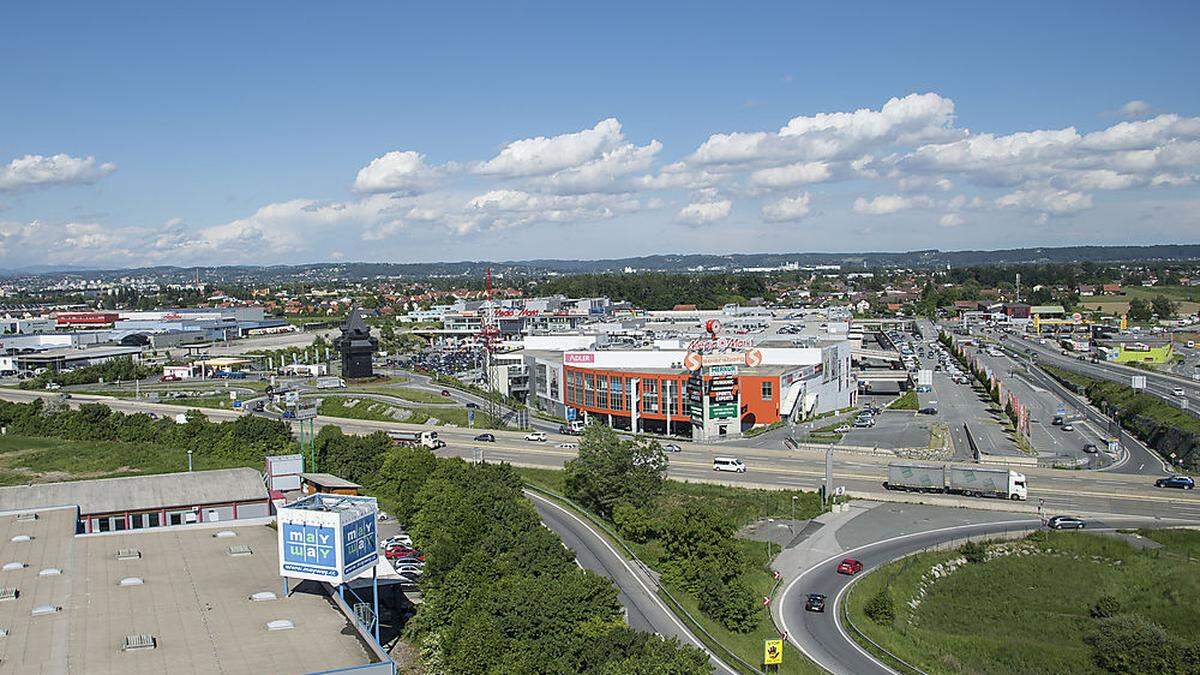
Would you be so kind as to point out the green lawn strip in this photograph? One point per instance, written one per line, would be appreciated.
(25, 459)
(906, 401)
(1027, 613)
(362, 409)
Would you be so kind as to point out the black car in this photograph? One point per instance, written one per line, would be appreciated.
(928, 411)
(1181, 482)
(472, 405)
(486, 438)
(1090, 448)
(1065, 523)
(815, 602)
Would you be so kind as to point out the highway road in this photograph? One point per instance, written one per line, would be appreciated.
(824, 638)
(862, 475)
(1160, 384)
(645, 611)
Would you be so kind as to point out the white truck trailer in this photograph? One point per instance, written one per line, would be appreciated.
(428, 439)
(970, 481)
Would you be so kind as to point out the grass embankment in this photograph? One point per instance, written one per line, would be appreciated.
(1167, 429)
(30, 459)
(1032, 609)
(349, 407)
(740, 506)
(906, 401)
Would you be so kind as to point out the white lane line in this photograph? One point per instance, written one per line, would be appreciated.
(653, 596)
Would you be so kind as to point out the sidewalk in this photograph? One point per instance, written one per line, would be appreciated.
(805, 552)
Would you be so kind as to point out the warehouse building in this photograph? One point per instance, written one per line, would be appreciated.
(203, 598)
(143, 502)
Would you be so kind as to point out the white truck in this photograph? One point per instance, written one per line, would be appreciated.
(330, 383)
(970, 481)
(428, 439)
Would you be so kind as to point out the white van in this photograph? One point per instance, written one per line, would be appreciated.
(729, 464)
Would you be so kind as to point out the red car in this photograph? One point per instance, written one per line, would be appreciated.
(445, 392)
(169, 378)
(849, 566)
(395, 551)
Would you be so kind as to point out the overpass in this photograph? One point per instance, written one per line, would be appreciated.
(884, 376)
(878, 354)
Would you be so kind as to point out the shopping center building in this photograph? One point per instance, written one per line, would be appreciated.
(671, 391)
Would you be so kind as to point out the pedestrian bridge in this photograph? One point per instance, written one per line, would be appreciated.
(877, 354)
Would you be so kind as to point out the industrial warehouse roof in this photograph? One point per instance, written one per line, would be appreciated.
(138, 493)
(74, 354)
(179, 586)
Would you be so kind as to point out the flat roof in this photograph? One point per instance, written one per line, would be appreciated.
(328, 480)
(224, 361)
(139, 493)
(72, 353)
(194, 600)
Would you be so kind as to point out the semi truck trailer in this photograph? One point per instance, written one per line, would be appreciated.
(428, 439)
(970, 481)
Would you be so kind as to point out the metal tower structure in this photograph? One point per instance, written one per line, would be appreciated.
(489, 338)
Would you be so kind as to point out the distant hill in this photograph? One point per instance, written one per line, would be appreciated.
(662, 262)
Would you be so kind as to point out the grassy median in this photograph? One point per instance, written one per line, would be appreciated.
(1044, 604)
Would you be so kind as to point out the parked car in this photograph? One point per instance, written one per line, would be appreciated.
(845, 428)
(1068, 427)
(815, 602)
(928, 411)
(396, 551)
(1176, 481)
(486, 438)
(568, 446)
(864, 422)
(849, 566)
(398, 540)
(169, 378)
(1090, 448)
(671, 447)
(1065, 523)
(536, 436)
(409, 570)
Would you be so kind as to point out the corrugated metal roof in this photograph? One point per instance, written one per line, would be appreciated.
(137, 493)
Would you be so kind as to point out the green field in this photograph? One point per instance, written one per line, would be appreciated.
(1030, 611)
(906, 401)
(25, 459)
(368, 409)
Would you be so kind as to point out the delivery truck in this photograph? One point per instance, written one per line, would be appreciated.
(970, 481)
(428, 439)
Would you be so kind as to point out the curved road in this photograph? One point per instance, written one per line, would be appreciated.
(645, 610)
(823, 638)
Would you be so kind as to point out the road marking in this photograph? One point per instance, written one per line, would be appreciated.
(653, 596)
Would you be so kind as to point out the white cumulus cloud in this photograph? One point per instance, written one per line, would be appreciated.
(398, 171)
(792, 175)
(702, 213)
(543, 155)
(887, 204)
(787, 209)
(37, 170)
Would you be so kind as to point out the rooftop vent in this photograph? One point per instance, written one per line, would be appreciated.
(14, 565)
(43, 610)
(263, 596)
(26, 517)
(128, 554)
(131, 581)
(134, 643)
(280, 624)
(50, 572)
(225, 534)
(21, 537)
(8, 594)
(239, 550)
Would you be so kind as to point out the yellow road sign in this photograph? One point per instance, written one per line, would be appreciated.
(772, 652)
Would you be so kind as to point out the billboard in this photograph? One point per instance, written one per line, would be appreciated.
(329, 538)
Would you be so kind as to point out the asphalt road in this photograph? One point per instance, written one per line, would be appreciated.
(1157, 383)
(823, 638)
(861, 475)
(644, 610)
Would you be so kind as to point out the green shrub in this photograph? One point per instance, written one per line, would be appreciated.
(973, 551)
(880, 608)
(1107, 606)
(1131, 644)
(633, 523)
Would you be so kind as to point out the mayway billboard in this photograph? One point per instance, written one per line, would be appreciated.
(328, 538)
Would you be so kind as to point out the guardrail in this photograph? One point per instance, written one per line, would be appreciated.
(672, 603)
(904, 666)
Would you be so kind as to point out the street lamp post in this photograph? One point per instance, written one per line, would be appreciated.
(189, 460)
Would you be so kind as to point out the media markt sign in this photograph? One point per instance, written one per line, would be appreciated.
(722, 411)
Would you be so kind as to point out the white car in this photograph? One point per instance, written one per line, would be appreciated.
(845, 428)
(402, 539)
(409, 570)
(536, 436)
(729, 464)
(568, 446)
(1178, 391)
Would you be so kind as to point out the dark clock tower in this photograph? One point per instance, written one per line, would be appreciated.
(356, 346)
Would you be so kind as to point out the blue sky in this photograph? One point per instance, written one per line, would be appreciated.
(141, 133)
